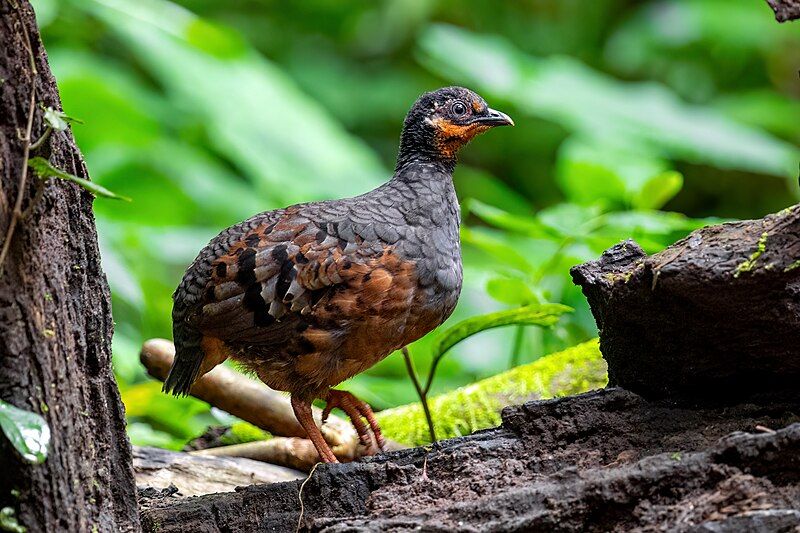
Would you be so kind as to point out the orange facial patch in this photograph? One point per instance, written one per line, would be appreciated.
(450, 137)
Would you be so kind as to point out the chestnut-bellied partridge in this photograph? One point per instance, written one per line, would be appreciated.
(307, 296)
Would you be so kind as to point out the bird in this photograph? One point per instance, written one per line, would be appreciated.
(310, 295)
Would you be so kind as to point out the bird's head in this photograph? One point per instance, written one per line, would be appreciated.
(441, 122)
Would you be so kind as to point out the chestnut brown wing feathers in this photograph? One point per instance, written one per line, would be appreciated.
(267, 286)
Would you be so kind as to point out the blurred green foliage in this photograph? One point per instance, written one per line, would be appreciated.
(634, 119)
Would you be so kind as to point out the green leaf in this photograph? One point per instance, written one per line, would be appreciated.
(592, 171)
(530, 315)
(274, 134)
(27, 431)
(570, 220)
(512, 291)
(499, 218)
(58, 120)
(9, 522)
(45, 170)
(658, 190)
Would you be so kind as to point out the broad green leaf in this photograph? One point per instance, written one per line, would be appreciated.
(570, 220)
(653, 222)
(531, 315)
(512, 291)
(497, 246)
(595, 171)
(219, 41)
(143, 434)
(595, 105)
(499, 218)
(475, 183)
(658, 190)
(58, 120)
(45, 170)
(766, 109)
(251, 111)
(27, 431)
(694, 45)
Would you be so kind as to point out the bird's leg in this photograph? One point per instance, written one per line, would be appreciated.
(302, 410)
(346, 404)
(355, 409)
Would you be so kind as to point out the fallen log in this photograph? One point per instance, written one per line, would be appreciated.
(606, 460)
(254, 402)
(714, 316)
(192, 475)
(292, 452)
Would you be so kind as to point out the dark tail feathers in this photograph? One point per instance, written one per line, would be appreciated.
(188, 359)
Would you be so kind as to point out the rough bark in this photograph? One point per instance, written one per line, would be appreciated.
(785, 9)
(192, 475)
(601, 461)
(55, 317)
(714, 316)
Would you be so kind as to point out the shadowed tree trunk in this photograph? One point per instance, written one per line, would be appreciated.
(55, 313)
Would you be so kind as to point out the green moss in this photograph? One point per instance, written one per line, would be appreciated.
(241, 432)
(750, 264)
(477, 406)
(793, 266)
(9, 522)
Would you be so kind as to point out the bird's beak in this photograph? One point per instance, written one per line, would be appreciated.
(493, 117)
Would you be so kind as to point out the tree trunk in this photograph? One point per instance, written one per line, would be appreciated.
(715, 315)
(55, 314)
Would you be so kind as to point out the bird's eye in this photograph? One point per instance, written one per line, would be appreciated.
(459, 109)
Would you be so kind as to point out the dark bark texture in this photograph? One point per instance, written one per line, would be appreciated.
(55, 317)
(714, 316)
(785, 9)
(601, 461)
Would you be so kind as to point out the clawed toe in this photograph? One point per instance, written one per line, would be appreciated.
(356, 410)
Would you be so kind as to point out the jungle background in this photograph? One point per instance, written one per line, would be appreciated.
(634, 119)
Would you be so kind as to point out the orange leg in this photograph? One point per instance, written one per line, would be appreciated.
(355, 409)
(302, 410)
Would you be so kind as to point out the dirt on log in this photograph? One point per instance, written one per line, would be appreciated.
(55, 315)
(715, 316)
(601, 461)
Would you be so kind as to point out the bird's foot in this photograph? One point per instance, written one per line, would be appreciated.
(355, 409)
(302, 410)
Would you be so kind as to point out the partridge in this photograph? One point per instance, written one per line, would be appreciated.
(307, 296)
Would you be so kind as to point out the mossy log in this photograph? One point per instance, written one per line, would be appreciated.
(456, 413)
(478, 405)
(714, 316)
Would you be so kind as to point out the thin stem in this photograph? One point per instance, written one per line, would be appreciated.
(432, 373)
(40, 141)
(519, 337)
(423, 395)
(16, 214)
